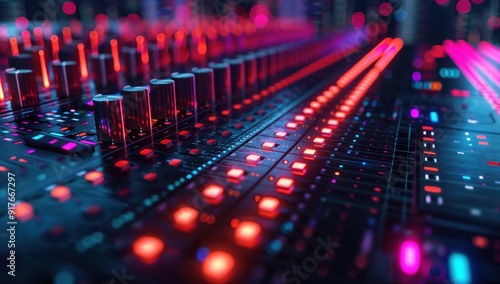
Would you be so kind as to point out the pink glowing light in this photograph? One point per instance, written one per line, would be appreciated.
(463, 6)
(68, 146)
(442, 2)
(358, 20)
(385, 9)
(415, 113)
(409, 258)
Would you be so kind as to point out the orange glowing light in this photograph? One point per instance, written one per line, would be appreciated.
(298, 168)
(54, 41)
(247, 234)
(83, 62)
(94, 177)
(26, 38)
(43, 65)
(268, 207)
(114, 53)
(185, 218)
(235, 174)
(24, 211)
(217, 267)
(213, 193)
(94, 42)
(202, 48)
(66, 32)
(432, 189)
(147, 248)
(253, 159)
(2, 95)
(431, 169)
(61, 193)
(284, 185)
(480, 241)
(14, 47)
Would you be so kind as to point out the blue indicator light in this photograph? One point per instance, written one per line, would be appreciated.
(434, 117)
(38, 136)
(466, 177)
(459, 268)
(56, 134)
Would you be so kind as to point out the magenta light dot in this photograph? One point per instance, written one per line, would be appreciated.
(414, 113)
(416, 76)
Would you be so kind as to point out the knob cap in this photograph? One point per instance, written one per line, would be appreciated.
(22, 87)
(237, 68)
(205, 92)
(250, 73)
(262, 69)
(109, 120)
(222, 80)
(185, 92)
(21, 61)
(67, 79)
(105, 76)
(137, 108)
(162, 96)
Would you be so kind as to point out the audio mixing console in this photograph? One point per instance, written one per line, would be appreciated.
(272, 156)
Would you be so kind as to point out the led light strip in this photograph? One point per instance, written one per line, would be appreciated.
(471, 73)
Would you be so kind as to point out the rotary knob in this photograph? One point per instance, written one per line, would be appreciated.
(22, 87)
(109, 119)
(105, 76)
(137, 108)
(162, 96)
(185, 92)
(67, 79)
(205, 92)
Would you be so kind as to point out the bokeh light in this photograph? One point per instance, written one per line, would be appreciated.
(442, 2)
(358, 20)
(463, 6)
(385, 9)
(69, 8)
(22, 23)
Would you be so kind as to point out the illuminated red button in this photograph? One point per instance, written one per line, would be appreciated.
(481, 136)
(291, 125)
(150, 177)
(247, 234)
(298, 168)
(238, 126)
(284, 185)
(237, 106)
(235, 174)
(432, 189)
(268, 146)
(253, 159)
(148, 249)
(328, 94)
(340, 114)
(333, 122)
(213, 193)
(185, 218)
(315, 105)
(61, 193)
(175, 163)
(334, 89)
(300, 118)
(24, 211)
(345, 108)
(122, 165)
(226, 133)
(327, 132)
(213, 119)
(199, 126)
(268, 207)
(250, 119)
(308, 111)
(493, 163)
(217, 267)
(211, 142)
(319, 142)
(322, 99)
(167, 142)
(261, 112)
(194, 152)
(280, 134)
(184, 134)
(226, 112)
(310, 153)
(94, 177)
(147, 153)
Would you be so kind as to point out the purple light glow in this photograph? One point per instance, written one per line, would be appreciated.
(70, 145)
(416, 76)
(409, 258)
(415, 113)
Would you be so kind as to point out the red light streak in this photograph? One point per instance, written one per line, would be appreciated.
(54, 40)
(43, 65)
(83, 62)
(114, 54)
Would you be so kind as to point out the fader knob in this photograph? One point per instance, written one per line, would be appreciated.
(67, 79)
(162, 96)
(21, 61)
(109, 120)
(105, 76)
(137, 108)
(237, 68)
(205, 92)
(250, 63)
(22, 87)
(185, 92)
(222, 80)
